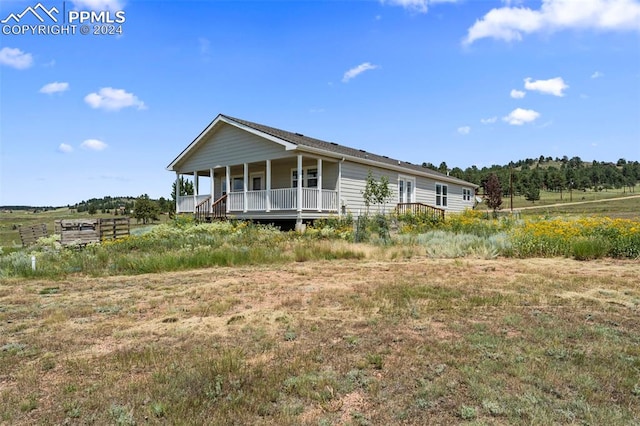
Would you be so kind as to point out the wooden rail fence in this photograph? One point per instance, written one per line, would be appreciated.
(85, 231)
(113, 228)
(30, 234)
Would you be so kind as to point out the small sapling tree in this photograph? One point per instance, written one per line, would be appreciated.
(376, 192)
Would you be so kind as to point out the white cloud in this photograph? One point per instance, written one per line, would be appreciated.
(597, 74)
(413, 5)
(464, 130)
(112, 99)
(510, 23)
(490, 120)
(420, 6)
(54, 87)
(356, 71)
(93, 145)
(15, 58)
(98, 5)
(517, 94)
(520, 116)
(553, 86)
(66, 148)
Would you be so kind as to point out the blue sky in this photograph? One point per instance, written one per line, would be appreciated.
(466, 82)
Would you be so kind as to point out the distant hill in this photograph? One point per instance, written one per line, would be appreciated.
(106, 204)
(551, 174)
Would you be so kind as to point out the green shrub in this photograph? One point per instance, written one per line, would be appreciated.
(589, 248)
(443, 244)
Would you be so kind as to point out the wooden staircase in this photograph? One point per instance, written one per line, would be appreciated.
(421, 209)
(207, 212)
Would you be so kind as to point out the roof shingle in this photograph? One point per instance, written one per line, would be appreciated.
(332, 147)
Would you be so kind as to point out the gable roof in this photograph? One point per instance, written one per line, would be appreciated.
(298, 141)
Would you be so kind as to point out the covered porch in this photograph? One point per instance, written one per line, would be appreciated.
(291, 187)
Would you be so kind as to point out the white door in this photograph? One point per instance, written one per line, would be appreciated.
(406, 189)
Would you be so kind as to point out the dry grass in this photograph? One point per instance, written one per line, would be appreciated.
(419, 341)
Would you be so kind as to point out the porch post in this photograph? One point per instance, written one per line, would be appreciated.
(300, 177)
(246, 186)
(268, 185)
(196, 191)
(177, 191)
(228, 185)
(340, 188)
(319, 184)
(213, 191)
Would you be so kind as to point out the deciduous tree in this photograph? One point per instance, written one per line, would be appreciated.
(145, 209)
(493, 192)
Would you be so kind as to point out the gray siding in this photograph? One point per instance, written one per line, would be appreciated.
(354, 178)
(426, 193)
(230, 145)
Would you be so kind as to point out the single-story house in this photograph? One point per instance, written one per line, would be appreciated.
(252, 171)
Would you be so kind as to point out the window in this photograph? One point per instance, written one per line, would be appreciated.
(256, 181)
(466, 194)
(310, 178)
(441, 195)
(237, 185)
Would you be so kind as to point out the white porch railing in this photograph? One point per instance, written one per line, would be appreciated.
(188, 203)
(310, 198)
(235, 201)
(257, 200)
(283, 199)
(280, 199)
(329, 200)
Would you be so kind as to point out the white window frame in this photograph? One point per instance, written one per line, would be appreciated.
(305, 177)
(260, 175)
(223, 183)
(466, 194)
(405, 196)
(442, 194)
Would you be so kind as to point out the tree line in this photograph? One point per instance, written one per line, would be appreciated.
(528, 177)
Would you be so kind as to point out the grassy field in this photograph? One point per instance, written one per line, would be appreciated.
(550, 197)
(628, 208)
(425, 341)
(9, 236)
